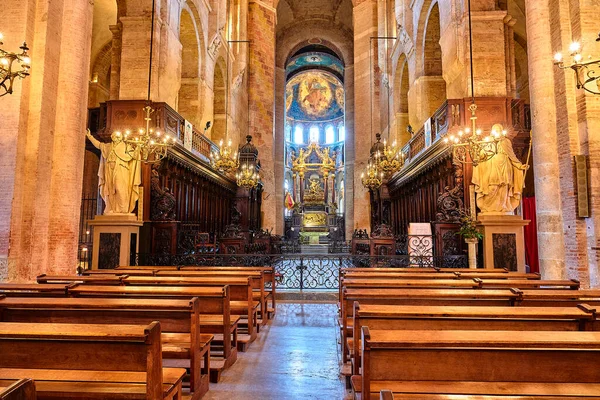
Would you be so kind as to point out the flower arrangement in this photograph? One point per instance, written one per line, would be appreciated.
(468, 226)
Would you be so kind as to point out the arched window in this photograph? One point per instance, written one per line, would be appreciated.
(298, 134)
(314, 134)
(329, 134)
(341, 133)
(288, 133)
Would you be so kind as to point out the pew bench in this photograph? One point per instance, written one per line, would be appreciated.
(425, 297)
(572, 284)
(215, 317)
(428, 390)
(22, 389)
(449, 356)
(240, 291)
(131, 272)
(88, 361)
(257, 278)
(92, 279)
(182, 343)
(390, 317)
(550, 297)
(34, 289)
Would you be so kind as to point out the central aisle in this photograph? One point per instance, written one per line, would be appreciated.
(295, 357)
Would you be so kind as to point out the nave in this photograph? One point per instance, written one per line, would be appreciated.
(297, 357)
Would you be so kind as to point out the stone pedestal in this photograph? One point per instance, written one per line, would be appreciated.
(503, 241)
(115, 240)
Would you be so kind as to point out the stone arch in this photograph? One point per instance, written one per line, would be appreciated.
(101, 66)
(219, 128)
(401, 103)
(190, 37)
(429, 89)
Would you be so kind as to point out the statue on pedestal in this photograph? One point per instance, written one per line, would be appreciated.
(119, 174)
(499, 181)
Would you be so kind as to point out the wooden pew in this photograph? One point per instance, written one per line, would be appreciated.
(449, 297)
(446, 357)
(215, 312)
(572, 284)
(399, 317)
(130, 271)
(22, 389)
(549, 298)
(257, 278)
(240, 292)
(89, 361)
(270, 276)
(491, 391)
(34, 289)
(182, 343)
(411, 283)
(94, 280)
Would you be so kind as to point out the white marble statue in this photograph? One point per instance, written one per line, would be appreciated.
(499, 181)
(119, 174)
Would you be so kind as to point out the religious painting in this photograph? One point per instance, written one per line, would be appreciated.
(314, 96)
(315, 60)
(315, 219)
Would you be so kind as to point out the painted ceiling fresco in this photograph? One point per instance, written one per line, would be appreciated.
(314, 96)
(315, 60)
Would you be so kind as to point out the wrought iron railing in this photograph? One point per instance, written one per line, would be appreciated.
(306, 271)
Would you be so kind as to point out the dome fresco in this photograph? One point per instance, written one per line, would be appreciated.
(314, 96)
(315, 60)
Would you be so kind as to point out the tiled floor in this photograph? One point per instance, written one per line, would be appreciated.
(295, 357)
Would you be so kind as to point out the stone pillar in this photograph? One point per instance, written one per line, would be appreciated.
(261, 33)
(115, 63)
(42, 139)
(365, 26)
(279, 147)
(551, 242)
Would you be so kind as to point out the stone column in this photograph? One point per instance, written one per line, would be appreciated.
(261, 33)
(365, 27)
(42, 139)
(545, 150)
(115, 63)
(279, 147)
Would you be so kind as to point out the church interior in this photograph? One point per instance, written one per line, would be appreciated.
(299, 199)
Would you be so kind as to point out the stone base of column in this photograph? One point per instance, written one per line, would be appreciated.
(115, 240)
(503, 241)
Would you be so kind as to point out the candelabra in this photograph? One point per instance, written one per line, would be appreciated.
(471, 145)
(373, 179)
(149, 144)
(391, 160)
(247, 177)
(224, 161)
(8, 71)
(587, 72)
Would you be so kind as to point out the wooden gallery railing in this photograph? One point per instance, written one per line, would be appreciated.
(183, 187)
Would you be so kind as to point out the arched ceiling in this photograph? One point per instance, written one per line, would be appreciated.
(304, 22)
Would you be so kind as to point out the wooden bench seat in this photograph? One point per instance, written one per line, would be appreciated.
(476, 356)
(550, 297)
(527, 283)
(21, 389)
(180, 324)
(214, 301)
(94, 279)
(240, 292)
(390, 317)
(123, 356)
(34, 289)
(130, 271)
(452, 390)
(403, 296)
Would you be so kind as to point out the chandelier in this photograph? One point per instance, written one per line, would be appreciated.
(8, 68)
(471, 145)
(587, 72)
(148, 144)
(247, 177)
(391, 160)
(226, 160)
(372, 178)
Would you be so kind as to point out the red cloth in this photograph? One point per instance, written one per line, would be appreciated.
(531, 244)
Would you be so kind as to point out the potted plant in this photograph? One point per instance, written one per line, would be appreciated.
(470, 233)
